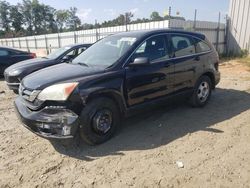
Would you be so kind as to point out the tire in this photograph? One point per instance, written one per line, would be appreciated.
(201, 97)
(16, 92)
(99, 110)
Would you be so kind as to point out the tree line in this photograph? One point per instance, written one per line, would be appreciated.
(30, 17)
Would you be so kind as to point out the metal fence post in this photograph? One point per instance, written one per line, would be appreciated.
(19, 42)
(46, 44)
(96, 30)
(35, 42)
(195, 19)
(75, 39)
(218, 34)
(59, 40)
(27, 44)
(226, 46)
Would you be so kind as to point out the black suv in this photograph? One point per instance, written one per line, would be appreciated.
(113, 78)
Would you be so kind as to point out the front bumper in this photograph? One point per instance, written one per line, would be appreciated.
(13, 86)
(50, 122)
(217, 78)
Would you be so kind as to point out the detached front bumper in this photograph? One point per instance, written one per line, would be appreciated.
(50, 122)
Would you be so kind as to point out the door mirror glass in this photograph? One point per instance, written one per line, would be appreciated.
(140, 61)
(66, 58)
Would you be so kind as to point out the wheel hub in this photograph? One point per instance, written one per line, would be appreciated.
(203, 91)
(102, 121)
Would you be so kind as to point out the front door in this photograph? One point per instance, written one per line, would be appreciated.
(152, 81)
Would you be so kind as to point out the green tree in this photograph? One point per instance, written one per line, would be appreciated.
(73, 21)
(155, 16)
(5, 15)
(16, 18)
(49, 19)
(61, 17)
(26, 11)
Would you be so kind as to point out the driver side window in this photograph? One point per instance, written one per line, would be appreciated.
(154, 48)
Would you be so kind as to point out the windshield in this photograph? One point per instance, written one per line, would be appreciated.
(105, 52)
(58, 52)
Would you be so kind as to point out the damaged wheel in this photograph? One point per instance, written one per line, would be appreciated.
(99, 120)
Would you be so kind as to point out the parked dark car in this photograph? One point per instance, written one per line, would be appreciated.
(15, 73)
(116, 77)
(10, 56)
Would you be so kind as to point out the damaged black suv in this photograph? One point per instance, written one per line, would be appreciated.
(116, 76)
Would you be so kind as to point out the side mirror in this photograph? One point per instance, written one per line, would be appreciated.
(139, 62)
(66, 58)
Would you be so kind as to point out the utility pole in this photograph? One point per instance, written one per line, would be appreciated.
(218, 34)
(169, 14)
(97, 38)
(195, 19)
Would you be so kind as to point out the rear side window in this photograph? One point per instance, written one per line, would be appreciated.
(182, 45)
(4, 53)
(154, 48)
(202, 46)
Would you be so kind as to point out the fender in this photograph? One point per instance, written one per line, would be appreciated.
(114, 94)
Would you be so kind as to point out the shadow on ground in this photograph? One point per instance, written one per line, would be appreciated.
(162, 125)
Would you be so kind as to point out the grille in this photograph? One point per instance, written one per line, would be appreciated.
(11, 79)
(28, 94)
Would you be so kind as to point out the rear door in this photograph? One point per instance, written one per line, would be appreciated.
(150, 82)
(186, 60)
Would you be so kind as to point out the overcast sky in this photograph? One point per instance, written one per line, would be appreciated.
(89, 10)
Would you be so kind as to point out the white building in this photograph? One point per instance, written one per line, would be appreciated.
(239, 25)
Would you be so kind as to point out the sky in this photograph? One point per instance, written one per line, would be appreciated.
(101, 10)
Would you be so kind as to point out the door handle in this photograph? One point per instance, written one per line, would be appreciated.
(168, 64)
(197, 58)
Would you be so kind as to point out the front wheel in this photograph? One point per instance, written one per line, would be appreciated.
(99, 120)
(202, 92)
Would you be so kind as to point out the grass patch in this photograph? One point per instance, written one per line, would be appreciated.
(245, 60)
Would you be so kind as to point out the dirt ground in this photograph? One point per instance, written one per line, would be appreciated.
(213, 143)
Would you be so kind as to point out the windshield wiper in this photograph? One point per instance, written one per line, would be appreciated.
(83, 64)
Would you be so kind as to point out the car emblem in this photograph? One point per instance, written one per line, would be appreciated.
(28, 95)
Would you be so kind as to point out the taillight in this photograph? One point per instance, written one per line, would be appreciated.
(33, 55)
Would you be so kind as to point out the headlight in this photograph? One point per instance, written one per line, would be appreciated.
(14, 72)
(58, 92)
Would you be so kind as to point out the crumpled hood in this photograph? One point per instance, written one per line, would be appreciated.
(58, 73)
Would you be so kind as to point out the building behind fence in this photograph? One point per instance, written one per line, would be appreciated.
(239, 25)
(214, 31)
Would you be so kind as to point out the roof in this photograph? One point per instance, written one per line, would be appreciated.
(77, 45)
(10, 48)
(145, 33)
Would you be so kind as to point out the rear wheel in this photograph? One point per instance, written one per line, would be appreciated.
(202, 92)
(99, 120)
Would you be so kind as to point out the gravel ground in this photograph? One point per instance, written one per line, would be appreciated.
(213, 144)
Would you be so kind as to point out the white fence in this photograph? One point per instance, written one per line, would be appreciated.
(53, 41)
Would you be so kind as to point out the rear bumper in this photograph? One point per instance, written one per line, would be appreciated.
(49, 123)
